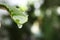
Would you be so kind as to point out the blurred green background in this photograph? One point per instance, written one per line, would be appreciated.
(43, 20)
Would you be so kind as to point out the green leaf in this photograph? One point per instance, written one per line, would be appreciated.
(20, 17)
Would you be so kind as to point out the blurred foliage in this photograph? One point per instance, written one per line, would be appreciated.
(48, 20)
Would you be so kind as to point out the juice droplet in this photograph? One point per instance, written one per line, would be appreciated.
(20, 26)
